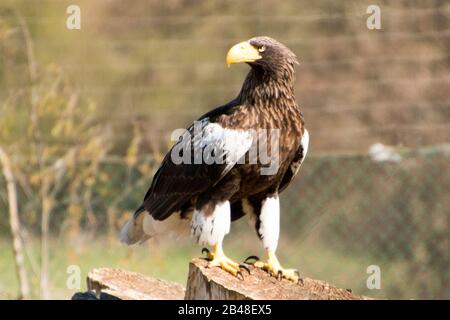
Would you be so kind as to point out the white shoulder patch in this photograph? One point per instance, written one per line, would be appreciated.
(212, 144)
(218, 142)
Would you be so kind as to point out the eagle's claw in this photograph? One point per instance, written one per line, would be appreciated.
(209, 254)
(256, 258)
(217, 258)
(245, 267)
(279, 275)
(274, 268)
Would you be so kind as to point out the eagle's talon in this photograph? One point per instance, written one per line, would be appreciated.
(209, 254)
(279, 275)
(256, 258)
(245, 267)
(300, 282)
(240, 275)
(274, 269)
(219, 259)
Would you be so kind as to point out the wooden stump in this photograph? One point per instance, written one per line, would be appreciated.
(214, 283)
(127, 285)
(207, 283)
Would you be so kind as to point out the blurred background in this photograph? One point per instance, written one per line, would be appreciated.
(86, 117)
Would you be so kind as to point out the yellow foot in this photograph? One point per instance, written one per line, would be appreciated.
(219, 259)
(274, 268)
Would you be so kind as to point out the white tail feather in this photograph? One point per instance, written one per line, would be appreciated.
(143, 226)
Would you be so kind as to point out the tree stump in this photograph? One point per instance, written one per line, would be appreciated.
(214, 283)
(207, 284)
(127, 285)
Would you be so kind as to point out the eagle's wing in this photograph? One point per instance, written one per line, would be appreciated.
(300, 155)
(205, 153)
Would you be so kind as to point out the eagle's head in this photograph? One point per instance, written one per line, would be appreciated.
(264, 54)
(272, 73)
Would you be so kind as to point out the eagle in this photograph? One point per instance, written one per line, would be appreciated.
(234, 161)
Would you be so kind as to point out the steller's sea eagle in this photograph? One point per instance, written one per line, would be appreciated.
(192, 190)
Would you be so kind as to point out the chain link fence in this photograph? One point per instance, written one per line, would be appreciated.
(342, 214)
(393, 214)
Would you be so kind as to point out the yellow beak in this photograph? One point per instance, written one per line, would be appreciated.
(242, 52)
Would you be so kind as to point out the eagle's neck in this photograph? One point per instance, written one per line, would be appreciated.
(273, 88)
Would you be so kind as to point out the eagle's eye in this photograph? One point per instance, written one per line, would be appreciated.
(262, 48)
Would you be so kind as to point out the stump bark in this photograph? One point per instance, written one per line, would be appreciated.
(127, 285)
(214, 283)
(208, 283)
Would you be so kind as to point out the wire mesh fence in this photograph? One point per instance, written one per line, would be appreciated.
(395, 214)
(342, 214)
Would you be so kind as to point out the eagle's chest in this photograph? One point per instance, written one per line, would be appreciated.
(277, 137)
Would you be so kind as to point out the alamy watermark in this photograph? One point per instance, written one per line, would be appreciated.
(73, 281)
(73, 21)
(373, 22)
(374, 280)
(209, 143)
